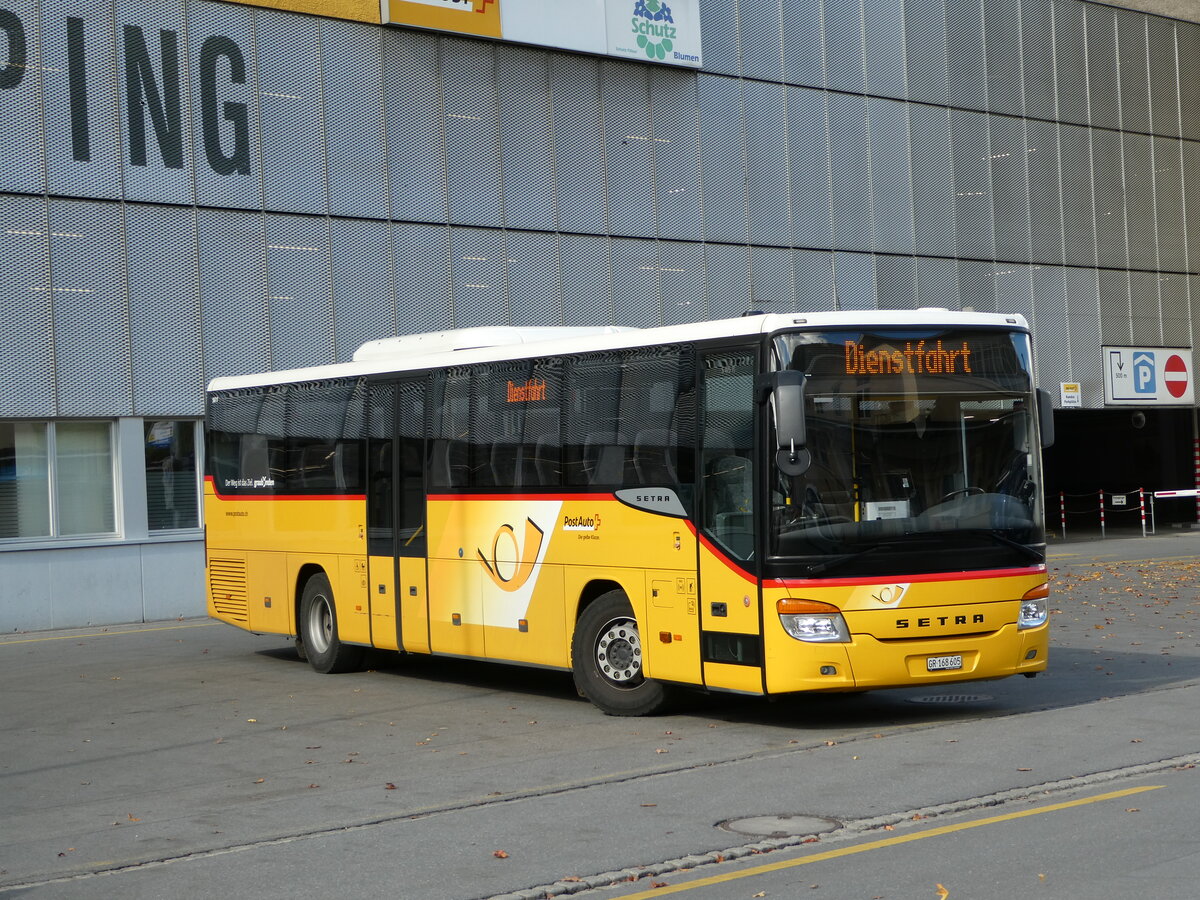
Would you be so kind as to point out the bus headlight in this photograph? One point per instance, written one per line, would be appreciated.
(813, 621)
(1034, 609)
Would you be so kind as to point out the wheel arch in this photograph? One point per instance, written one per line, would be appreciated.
(594, 589)
(307, 571)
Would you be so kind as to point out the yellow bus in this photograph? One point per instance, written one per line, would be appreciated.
(837, 501)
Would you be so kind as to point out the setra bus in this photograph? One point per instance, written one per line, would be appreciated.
(837, 501)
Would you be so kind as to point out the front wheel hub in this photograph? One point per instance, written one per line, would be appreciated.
(619, 652)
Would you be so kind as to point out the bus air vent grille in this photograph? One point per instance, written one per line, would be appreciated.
(227, 583)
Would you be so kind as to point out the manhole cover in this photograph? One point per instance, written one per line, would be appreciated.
(782, 825)
(952, 698)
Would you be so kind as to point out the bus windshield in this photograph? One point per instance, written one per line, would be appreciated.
(924, 452)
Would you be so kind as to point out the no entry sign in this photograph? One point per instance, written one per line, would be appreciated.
(1175, 376)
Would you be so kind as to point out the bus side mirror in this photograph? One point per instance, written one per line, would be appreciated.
(1046, 417)
(786, 391)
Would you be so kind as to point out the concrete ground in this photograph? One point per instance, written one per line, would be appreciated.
(190, 758)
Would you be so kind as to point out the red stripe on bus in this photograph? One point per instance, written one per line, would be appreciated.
(448, 498)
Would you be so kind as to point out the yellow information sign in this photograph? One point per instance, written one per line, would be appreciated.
(480, 17)
(358, 10)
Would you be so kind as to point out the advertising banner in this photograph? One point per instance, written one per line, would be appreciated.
(655, 30)
(481, 17)
(571, 26)
(360, 10)
(662, 31)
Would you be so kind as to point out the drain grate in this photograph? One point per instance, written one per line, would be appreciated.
(781, 825)
(952, 698)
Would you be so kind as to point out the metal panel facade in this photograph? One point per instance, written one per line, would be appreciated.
(211, 136)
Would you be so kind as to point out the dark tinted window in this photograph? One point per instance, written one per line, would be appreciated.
(288, 439)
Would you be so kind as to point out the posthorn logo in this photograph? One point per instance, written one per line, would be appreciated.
(654, 28)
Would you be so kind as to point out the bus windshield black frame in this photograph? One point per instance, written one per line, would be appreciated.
(925, 454)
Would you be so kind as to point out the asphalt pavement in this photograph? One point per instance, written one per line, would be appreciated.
(190, 758)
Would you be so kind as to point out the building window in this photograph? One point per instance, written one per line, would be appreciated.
(172, 485)
(56, 479)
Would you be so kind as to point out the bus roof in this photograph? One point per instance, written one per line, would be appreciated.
(465, 346)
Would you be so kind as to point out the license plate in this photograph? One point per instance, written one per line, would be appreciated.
(943, 663)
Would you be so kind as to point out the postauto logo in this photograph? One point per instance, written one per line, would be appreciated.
(654, 27)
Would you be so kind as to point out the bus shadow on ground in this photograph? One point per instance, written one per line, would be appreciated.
(1075, 677)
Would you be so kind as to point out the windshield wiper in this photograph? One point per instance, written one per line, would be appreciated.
(844, 558)
(1031, 552)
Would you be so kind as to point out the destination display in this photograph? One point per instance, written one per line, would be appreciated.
(840, 362)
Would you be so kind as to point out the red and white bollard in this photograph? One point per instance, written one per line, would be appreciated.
(1196, 469)
(1102, 513)
(1062, 513)
(1142, 503)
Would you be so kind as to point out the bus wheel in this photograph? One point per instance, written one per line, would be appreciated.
(606, 654)
(319, 631)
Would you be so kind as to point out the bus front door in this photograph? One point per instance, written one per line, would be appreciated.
(730, 618)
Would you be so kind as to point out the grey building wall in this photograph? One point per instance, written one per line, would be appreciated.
(195, 189)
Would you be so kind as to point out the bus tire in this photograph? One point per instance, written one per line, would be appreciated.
(319, 631)
(606, 659)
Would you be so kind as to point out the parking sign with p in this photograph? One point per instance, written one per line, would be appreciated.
(1147, 376)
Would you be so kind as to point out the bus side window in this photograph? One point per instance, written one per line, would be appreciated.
(541, 444)
(654, 451)
(447, 463)
(547, 461)
(254, 462)
(449, 453)
(604, 457)
(726, 467)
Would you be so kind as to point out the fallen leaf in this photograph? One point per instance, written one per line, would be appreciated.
(389, 787)
(500, 854)
(132, 817)
(658, 884)
(942, 893)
